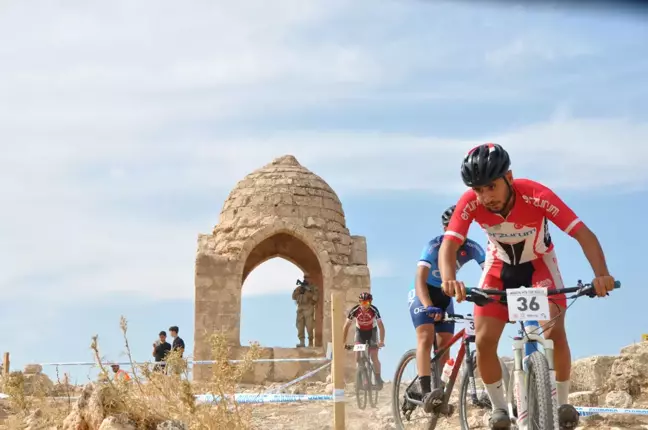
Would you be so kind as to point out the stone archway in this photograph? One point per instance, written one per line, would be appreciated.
(292, 249)
(285, 210)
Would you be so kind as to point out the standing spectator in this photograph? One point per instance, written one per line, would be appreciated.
(160, 349)
(178, 343)
(178, 347)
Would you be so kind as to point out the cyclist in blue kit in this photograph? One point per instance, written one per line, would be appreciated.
(427, 303)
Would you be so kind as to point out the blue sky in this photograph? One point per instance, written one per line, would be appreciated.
(124, 127)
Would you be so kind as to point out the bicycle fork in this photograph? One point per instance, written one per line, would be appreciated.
(522, 347)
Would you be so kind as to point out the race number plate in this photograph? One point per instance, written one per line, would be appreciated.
(470, 328)
(528, 304)
(360, 347)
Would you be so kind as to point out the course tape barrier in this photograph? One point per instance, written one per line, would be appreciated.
(587, 411)
(266, 398)
(338, 396)
(128, 363)
(240, 398)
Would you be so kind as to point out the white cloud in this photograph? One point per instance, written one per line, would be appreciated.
(71, 239)
(96, 105)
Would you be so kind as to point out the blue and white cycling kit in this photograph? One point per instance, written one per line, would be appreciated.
(470, 250)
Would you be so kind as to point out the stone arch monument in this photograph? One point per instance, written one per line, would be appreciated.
(280, 210)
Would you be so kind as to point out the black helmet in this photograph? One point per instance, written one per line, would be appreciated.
(365, 296)
(484, 164)
(445, 218)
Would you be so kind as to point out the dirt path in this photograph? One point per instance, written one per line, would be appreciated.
(319, 416)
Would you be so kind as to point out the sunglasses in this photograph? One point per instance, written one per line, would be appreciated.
(365, 302)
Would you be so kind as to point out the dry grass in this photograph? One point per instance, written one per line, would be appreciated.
(149, 398)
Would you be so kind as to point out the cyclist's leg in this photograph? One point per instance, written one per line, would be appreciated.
(547, 275)
(424, 326)
(373, 353)
(490, 321)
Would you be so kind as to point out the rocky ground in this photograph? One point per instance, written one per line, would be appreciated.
(611, 381)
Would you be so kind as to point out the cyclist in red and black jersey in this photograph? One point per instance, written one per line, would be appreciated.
(368, 321)
(514, 213)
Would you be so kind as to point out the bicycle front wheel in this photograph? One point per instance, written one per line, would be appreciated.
(540, 406)
(362, 385)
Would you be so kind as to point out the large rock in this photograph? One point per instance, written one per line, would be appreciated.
(626, 376)
(32, 369)
(592, 373)
(88, 412)
(618, 399)
(38, 384)
(584, 398)
(172, 425)
(117, 423)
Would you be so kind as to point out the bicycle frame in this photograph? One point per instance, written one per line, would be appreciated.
(365, 358)
(438, 353)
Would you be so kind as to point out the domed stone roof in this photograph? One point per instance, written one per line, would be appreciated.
(283, 192)
(283, 188)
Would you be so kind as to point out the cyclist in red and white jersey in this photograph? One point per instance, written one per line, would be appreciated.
(514, 213)
(368, 320)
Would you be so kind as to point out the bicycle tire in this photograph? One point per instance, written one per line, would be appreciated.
(361, 390)
(397, 396)
(370, 384)
(373, 392)
(463, 391)
(540, 406)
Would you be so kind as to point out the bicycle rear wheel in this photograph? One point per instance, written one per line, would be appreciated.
(406, 414)
(540, 406)
(362, 385)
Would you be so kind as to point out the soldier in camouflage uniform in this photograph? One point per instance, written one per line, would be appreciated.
(306, 296)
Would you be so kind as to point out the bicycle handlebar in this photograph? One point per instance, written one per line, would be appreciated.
(480, 296)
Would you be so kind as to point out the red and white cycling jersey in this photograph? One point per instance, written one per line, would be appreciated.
(523, 235)
(365, 319)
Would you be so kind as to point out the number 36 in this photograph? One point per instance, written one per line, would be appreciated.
(524, 304)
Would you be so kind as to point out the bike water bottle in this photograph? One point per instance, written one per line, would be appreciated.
(447, 370)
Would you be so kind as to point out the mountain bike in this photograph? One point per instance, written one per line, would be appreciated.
(409, 402)
(365, 377)
(532, 395)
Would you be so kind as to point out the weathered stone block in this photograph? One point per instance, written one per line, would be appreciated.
(259, 372)
(592, 373)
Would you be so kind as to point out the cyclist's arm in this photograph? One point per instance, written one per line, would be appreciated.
(345, 329)
(448, 260)
(455, 235)
(428, 262)
(592, 250)
(560, 214)
(381, 326)
(422, 273)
